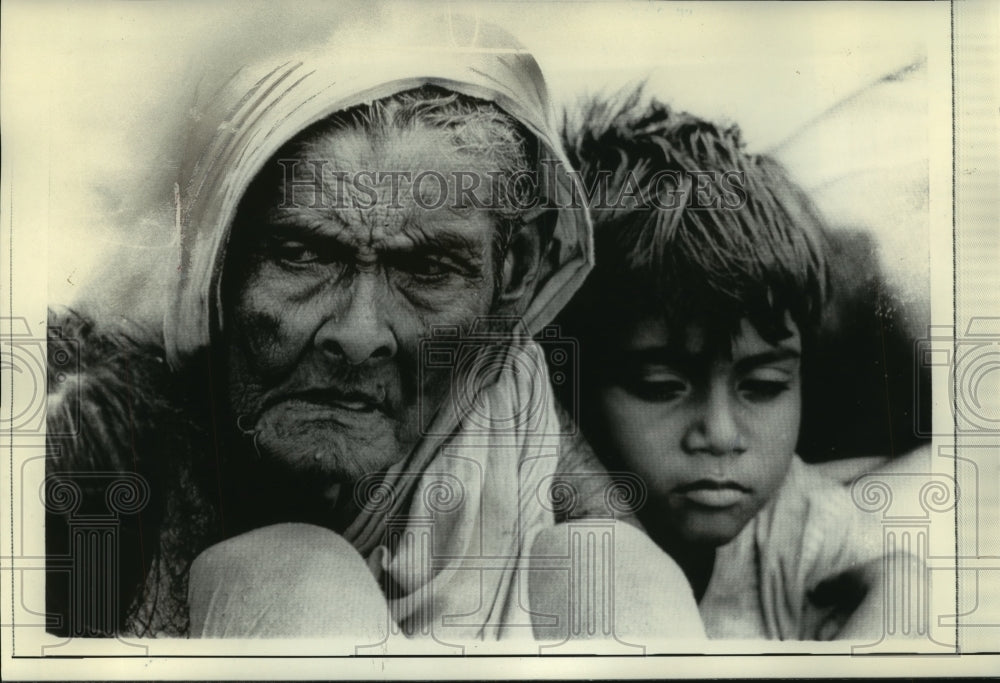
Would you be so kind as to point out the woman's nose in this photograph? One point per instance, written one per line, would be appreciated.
(358, 331)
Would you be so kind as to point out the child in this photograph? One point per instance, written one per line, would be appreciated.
(709, 288)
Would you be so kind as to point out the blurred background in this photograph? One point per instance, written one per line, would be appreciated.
(841, 93)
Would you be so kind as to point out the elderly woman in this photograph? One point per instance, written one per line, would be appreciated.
(369, 243)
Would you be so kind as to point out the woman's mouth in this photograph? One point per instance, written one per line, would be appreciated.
(359, 406)
(352, 401)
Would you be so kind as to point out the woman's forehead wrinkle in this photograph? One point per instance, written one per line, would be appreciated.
(382, 227)
(389, 190)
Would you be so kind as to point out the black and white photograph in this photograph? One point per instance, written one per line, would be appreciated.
(351, 339)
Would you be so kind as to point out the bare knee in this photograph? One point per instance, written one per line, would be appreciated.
(284, 580)
(271, 551)
(574, 566)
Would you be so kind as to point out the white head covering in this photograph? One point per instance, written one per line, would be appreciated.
(260, 108)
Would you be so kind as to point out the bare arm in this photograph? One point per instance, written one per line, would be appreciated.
(626, 588)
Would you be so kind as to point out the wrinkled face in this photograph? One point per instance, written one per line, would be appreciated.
(326, 302)
(711, 433)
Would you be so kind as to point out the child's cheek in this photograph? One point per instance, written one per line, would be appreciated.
(781, 420)
(773, 435)
(641, 435)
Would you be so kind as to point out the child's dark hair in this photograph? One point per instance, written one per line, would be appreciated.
(728, 236)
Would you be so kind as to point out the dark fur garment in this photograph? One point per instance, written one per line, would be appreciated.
(117, 425)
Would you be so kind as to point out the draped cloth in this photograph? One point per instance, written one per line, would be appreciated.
(448, 530)
(445, 529)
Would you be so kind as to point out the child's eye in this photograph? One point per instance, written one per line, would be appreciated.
(657, 386)
(765, 388)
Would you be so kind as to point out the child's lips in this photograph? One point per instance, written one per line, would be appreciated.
(715, 498)
(713, 493)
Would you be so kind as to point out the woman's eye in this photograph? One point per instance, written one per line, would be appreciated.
(429, 268)
(295, 253)
(423, 269)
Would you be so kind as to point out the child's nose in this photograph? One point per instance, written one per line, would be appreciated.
(715, 428)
